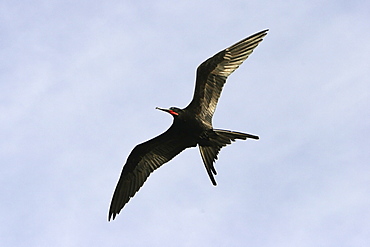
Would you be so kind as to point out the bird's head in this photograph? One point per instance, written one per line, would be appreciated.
(174, 111)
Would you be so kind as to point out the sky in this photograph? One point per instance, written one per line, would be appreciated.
(79, 84)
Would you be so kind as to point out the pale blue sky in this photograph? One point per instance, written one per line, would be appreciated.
(79, 83)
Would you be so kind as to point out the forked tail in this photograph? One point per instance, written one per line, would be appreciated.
(219, 139)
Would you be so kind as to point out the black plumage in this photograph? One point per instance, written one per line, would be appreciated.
(191, 126)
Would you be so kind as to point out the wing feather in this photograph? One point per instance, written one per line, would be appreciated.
(142, 161)
(212, 74)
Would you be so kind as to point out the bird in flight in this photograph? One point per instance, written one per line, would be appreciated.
(191, 126)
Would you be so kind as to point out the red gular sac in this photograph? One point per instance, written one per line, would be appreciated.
(173, 112)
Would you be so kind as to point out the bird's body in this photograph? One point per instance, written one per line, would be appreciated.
(192, 125)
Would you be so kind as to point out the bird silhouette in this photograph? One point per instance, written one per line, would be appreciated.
(191, 126)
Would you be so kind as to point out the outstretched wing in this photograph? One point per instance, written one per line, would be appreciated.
(143, 160)
(212, 74)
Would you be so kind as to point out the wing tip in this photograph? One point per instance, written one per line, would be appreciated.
(263, 31)
(112, 215)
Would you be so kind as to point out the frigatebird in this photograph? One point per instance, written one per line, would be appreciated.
(191, 126)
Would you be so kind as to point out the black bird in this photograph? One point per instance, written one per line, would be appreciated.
(191, 126)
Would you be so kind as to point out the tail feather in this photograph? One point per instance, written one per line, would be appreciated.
(209, 155)
(233, 135)
(219, 139)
